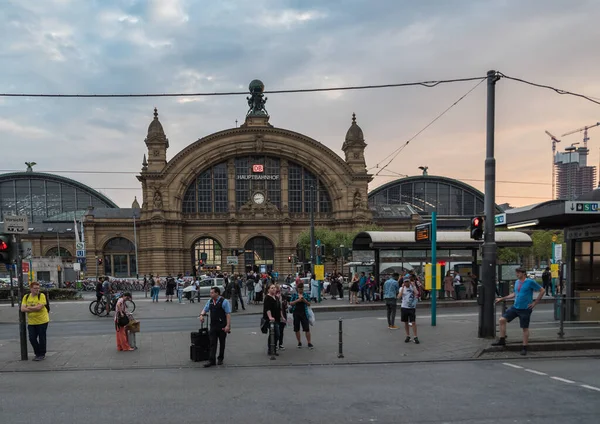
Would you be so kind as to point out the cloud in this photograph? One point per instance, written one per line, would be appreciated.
(169, 11)
(129, 46)
(21, 131)
(288, 18)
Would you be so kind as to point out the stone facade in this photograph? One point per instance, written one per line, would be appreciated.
(166, 235)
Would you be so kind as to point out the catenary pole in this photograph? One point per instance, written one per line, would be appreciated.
(487, 318)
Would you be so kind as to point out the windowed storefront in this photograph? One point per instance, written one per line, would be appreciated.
(260, 254)
(119, 258)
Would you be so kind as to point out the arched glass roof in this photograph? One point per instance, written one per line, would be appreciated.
(41, 196)
(428, 193)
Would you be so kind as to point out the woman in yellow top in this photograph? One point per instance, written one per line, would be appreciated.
(34, 305)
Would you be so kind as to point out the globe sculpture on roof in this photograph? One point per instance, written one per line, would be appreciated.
(257, 101)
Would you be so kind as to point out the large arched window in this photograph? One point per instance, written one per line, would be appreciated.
(207, 250)
(427, 194)
(119, 258)
(304, 187)
(208, 192)
(260, 254)
(54, 252)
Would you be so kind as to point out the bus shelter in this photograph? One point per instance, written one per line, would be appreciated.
(386, 252)
(580, 222)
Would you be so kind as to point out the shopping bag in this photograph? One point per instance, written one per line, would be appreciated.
(311, 316)
(133, 326)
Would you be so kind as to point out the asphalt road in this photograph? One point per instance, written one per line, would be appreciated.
(480, 392)
(104, 325)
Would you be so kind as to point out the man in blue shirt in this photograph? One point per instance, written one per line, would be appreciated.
(219, 309)
(362, 285)
(522, 308)
(390, 291)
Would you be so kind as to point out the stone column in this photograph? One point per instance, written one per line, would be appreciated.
(284, 188)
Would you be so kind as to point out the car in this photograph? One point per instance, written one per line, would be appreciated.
(207, 283)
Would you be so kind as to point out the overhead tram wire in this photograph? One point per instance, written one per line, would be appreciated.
(395, 153)
(428, 84)
(548, 87)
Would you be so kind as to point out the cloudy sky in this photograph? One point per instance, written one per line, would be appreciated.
(157, 46)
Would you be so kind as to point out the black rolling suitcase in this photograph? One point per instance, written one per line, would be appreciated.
(200, 348)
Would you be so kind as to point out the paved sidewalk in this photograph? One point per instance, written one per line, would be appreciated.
(366, 340)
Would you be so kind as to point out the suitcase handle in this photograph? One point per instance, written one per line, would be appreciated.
(205, 323)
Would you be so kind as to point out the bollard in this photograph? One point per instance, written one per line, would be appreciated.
(563, 301)
(272, 340)
(341, 343)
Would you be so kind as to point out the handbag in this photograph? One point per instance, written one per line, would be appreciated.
(123, 321)
(264, 325)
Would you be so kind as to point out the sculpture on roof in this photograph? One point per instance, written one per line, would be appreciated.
(256, 101)
(30, 166)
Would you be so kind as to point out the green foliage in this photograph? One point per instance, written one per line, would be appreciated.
(332, 239)
(540, 251)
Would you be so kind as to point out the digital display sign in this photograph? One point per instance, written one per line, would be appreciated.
(423, 232)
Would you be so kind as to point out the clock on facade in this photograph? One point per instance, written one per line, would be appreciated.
(258, 198)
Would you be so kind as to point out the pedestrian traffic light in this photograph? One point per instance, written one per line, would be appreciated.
(477, 228)
(5, 249)
(99, 261)
(289, 259)
(201, 263)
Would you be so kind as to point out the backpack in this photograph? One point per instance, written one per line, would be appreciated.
(47, 302)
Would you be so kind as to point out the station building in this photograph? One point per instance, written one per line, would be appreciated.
(249, 188)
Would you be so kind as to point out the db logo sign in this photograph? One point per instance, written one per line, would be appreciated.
(258, 168)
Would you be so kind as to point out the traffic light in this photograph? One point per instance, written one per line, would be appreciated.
(99, 261)
(477, 228)
(201, 263)
(322, 250)
(289, 259)
(5, 249)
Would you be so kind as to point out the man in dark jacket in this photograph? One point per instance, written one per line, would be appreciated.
(547, 281)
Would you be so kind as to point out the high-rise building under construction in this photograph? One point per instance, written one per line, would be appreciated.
(573, 175)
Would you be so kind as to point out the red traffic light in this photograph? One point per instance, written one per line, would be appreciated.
(3, 246)
(476, 222)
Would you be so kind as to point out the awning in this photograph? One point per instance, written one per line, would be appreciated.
(369, 240)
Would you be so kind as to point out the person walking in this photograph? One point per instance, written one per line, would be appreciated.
(120, 325)
(106, 289)
(170, 292)
(283, 300)
(155, 291)
(457, 283)
(468, 286)
(547, 281)
(362, 286)
(448, 286)
(522, 307)
(219, 309)
(250, 290)
(300, 313)
(35, 306)
(390, 293)
(354, 288)
(408, 308)
(272, 313)
(180, 287)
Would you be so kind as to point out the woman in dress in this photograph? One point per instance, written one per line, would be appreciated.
(354, 289)
(121, 312)
(448, 285)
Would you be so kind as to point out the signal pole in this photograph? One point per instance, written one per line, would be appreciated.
(487, 315)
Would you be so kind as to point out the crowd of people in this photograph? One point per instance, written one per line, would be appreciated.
(285, 304)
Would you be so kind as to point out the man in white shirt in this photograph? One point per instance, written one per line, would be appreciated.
(457, 284)
(180, 284)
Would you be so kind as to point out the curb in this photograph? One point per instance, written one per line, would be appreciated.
(546, 346)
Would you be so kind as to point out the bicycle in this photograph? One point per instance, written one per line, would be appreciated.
(99, 307)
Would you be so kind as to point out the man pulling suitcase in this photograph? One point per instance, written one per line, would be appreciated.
(219, 309)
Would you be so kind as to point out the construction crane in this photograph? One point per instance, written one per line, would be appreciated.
(585, 133)
(554, 141)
